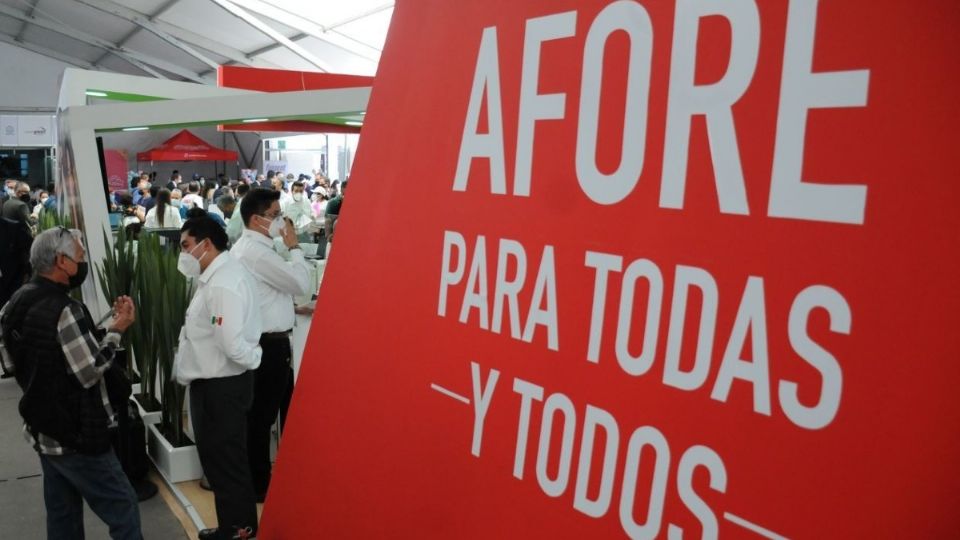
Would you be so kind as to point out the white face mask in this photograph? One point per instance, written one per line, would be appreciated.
(298, 197)
(43, 200)
(176, 203)
(187, 264)
(276, 227)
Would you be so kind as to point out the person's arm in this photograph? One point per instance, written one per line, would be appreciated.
(87, 358)
(228, 309)
(289, 277)
(24, 213)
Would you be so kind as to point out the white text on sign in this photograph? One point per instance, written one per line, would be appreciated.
(801, 91)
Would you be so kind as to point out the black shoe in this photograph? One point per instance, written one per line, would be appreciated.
(246, 533)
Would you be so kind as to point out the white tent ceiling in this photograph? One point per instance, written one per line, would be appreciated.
(187, 39)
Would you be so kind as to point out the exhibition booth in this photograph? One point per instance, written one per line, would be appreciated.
(653, 270)
(127, 266)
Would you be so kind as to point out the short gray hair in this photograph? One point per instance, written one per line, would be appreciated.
(225, 201)
(46, 246)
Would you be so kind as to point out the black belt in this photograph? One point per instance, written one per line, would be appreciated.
(276, 335)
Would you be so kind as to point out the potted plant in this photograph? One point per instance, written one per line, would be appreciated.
(118, 275)
(164, 296)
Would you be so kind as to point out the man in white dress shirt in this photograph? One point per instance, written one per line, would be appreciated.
(218, 349)
(278, 281)
(299, 211)
(235, 225)
(193, 199)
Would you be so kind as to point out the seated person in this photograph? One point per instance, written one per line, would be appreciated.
(132, 213)
(163, 214)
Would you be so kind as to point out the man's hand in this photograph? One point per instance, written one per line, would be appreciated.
(124, 314)
(289, 234)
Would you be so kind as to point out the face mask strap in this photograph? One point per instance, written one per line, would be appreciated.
(198, 244)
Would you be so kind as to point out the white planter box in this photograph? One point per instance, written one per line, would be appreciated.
(149, 418)
(177, 464)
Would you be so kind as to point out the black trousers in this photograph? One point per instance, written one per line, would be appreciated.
(219, 408)
(273, 381)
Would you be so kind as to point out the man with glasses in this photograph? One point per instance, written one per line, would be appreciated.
(69, 404)
(278, 281)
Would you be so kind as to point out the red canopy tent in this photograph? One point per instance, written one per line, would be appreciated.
(185, 146)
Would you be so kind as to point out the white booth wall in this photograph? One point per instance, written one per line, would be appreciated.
(302, 153)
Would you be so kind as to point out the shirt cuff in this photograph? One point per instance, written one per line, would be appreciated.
(112, 338)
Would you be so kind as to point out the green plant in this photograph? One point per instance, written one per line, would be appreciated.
(49, 219)
(116, 276)
(147, 271)
(164, 295)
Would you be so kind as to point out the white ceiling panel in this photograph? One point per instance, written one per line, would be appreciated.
(82, 18)
(10, 26)
(118, 65)
(370, 30)
(341, 60)
(59, 42)
(288, 59)
(210, 20)
(149, 43)
(147, 6)
(344, 36)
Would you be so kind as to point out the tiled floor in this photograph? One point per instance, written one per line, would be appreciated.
(21, 486)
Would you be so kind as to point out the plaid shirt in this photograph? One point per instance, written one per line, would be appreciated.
(87, 360)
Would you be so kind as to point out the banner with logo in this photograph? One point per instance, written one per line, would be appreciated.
(648, 269)
(116, 161)
(9, 126)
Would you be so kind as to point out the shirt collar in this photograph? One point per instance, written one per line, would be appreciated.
(221, 260)
(259, 238)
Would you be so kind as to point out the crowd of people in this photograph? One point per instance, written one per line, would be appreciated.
(234, 353)
(311, 203)
(21, 203)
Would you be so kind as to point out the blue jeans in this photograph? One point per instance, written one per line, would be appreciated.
(70, 479)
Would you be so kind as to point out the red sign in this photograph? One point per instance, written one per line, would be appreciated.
(116, 161)
(281, 80)
(646, 268)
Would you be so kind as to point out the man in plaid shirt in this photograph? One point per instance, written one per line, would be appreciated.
(63, 369)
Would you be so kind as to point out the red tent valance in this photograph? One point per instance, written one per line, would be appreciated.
(186, 146)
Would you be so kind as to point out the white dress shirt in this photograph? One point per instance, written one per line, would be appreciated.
(171, 218)
(278, 281)
(192, 200)
(235, 224)
(300, 213)
(221, 334)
